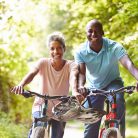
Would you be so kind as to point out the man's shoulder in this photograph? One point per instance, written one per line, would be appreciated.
(82, 47)
(110, 44)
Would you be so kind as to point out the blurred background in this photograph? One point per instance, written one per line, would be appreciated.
(24, 26)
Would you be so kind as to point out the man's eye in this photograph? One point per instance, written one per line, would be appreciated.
(90, 31)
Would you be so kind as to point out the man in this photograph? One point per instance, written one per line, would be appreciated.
(98, 63)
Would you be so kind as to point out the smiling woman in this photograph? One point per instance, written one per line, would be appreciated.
(57, 48)
(56, 75)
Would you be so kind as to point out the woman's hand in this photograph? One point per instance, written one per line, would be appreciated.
(17, 89)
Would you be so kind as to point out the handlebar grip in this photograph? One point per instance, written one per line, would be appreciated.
(26, 94)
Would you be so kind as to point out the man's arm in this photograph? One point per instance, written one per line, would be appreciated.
(75, 83)
(128, 64)
(26, 80)
(74, 78)
(82, 75)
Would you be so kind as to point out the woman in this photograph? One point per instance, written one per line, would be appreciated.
(55, 76)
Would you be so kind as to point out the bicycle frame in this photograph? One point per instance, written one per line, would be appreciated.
(111, 120)
(111, 123)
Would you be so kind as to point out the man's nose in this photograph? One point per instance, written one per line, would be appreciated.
(93, 33)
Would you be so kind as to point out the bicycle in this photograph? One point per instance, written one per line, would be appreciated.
(111, 127)
(68, 108)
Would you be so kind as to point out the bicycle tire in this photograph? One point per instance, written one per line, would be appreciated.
(111, 133)
(39, 132)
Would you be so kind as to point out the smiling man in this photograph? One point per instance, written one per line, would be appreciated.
(98, 60)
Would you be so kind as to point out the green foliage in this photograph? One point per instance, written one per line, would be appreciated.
(24, 26)
(16, 34)
(11, 130)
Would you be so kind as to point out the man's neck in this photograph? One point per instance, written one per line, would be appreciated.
(96, 46)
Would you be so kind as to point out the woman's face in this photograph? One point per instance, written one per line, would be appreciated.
(56, 50)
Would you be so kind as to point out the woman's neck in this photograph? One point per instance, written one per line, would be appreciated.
(58, 65)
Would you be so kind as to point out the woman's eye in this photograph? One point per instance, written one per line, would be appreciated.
(51, 49)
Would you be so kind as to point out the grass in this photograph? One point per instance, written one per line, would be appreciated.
(9, 129)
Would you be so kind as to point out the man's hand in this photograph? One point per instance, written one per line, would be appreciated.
(79, 97)
(81, 94)
(83, 91)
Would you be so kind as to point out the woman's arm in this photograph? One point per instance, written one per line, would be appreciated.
(26, 80)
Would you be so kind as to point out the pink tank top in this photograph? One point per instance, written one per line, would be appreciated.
(52, 82)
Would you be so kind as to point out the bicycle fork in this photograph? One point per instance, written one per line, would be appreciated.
(111, 117)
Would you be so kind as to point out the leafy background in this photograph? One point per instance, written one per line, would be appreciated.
(24, 26)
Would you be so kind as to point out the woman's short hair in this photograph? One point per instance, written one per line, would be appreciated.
(56, 36)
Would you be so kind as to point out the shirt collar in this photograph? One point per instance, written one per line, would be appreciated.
(91, 51)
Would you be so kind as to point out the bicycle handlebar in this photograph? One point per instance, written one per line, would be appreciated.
(127, 89)
(27, 94)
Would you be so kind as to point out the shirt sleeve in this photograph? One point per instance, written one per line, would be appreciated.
(119, 51)
(78, 57)
(40, 64)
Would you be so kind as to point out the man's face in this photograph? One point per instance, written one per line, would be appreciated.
(94, 32)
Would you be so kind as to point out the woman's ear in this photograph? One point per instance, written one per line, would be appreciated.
(64, 49)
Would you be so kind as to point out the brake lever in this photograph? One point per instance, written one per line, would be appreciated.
(27, 94)
(130, 89)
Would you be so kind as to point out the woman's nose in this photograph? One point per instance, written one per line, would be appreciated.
(55, 50)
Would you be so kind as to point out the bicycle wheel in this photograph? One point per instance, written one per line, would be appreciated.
(39, 132)
(111, 133)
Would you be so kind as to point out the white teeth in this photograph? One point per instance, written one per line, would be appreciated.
(94, 38)
(56, 56)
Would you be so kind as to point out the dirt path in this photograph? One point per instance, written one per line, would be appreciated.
(73, 131)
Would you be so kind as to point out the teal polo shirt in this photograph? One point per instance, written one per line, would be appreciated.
(102, 67)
